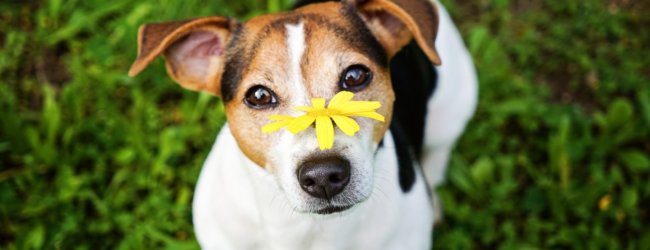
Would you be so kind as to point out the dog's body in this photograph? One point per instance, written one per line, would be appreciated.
(247, 196)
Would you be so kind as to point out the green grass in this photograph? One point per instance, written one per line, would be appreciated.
(557, 157)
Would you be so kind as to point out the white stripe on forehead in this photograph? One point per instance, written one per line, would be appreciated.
(296, 49)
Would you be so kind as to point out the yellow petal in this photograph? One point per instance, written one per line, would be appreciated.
(324, 132)
(372, 115)
(280, 117)
(300, 123)
(318, 103)
(358, 106)
(340, 98)
(272, 127)
(348, 125)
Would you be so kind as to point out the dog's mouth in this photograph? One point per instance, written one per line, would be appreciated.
(333, 209)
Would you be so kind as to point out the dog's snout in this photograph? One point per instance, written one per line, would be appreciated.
(324, 178)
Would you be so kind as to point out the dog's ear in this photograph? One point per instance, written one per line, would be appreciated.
(194, 50)
(394, 23)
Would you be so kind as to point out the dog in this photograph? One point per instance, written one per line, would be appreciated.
(374, 190)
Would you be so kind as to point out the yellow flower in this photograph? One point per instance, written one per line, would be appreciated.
(604, 202)
(340, 109)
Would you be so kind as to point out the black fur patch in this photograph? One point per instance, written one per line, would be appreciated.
(236, 61)
(301, 3)
(405, 160)
(414, 81)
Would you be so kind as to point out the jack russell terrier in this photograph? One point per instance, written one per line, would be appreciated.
(373, 190)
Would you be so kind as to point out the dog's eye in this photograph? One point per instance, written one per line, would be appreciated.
(355, 78)
(260, 97)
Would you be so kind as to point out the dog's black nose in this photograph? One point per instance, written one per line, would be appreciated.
(324, 178)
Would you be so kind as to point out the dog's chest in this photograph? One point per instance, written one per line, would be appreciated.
(239, 205)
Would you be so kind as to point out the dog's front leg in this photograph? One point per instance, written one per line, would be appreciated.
(223, 199)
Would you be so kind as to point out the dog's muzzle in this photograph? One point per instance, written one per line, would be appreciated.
(324, 178)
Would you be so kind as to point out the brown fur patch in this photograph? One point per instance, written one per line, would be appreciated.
(246, 123)
(325, 60)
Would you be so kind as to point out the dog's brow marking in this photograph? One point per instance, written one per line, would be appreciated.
(296, 47)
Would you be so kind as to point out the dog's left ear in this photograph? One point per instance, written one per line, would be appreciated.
(194, 50)
(394, 23)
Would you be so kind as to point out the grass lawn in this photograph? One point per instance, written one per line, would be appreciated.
(557, 156)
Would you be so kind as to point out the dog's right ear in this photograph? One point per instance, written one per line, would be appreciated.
(194, 50)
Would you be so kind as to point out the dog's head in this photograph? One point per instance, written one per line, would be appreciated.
(274, 62)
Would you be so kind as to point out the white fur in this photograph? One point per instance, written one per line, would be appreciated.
(296, 49)
(286, 156)
(239, 205)
(453, 102)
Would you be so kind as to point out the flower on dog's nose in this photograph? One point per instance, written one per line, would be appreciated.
(340, 109)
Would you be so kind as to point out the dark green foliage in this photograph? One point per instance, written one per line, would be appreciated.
(557, 157)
